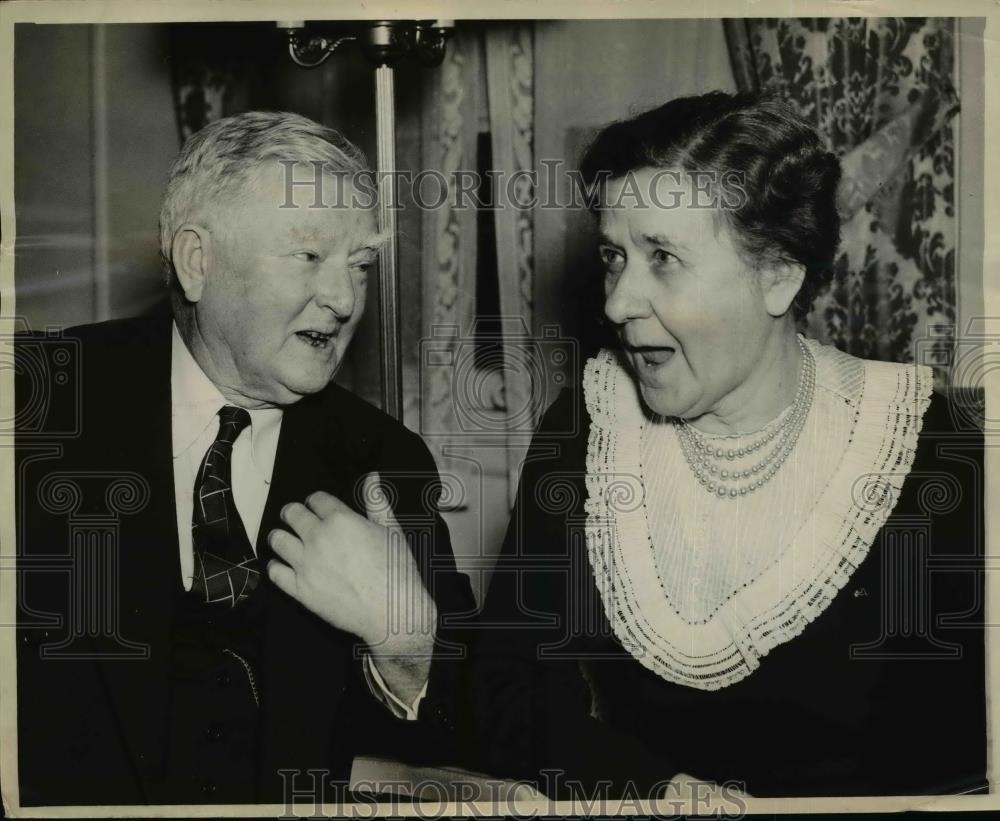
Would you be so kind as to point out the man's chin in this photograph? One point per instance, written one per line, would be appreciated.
(294, 387)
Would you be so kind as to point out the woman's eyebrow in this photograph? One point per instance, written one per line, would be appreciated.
(661, 239)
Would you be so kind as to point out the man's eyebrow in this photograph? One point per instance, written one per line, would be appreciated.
(374, 242)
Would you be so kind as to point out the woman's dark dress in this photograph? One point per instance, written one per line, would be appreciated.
(884, 693)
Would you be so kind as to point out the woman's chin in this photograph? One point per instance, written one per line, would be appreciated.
(662, 401)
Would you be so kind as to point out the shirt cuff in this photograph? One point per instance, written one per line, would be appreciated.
(382, 692)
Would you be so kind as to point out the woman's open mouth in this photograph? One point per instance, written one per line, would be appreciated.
(646, 356)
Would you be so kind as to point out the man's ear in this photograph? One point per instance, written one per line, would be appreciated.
(189, 253)
(780, 282)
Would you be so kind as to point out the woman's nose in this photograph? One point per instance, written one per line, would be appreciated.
(625, 300)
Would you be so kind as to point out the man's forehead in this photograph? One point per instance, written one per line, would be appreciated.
(305, 185)
(357, 228)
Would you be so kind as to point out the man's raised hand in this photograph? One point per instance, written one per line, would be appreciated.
(358, 575)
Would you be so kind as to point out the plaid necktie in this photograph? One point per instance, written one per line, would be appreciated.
(225, 567)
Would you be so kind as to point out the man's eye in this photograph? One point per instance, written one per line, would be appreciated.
(364, 265)
(661, 257)
(307, 256)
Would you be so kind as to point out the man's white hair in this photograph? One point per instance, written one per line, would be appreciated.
(225, 156)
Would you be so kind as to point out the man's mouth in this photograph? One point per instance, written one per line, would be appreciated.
(650, 356)
(317, 339)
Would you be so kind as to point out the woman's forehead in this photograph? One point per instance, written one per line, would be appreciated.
(669, 222)
(661, 186)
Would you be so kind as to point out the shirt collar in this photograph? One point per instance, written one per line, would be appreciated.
(195, 401)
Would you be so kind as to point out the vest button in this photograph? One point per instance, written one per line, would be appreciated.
(208, 788)
(224, 679)
(214, 733)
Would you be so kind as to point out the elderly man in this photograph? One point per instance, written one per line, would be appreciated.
(248, 623)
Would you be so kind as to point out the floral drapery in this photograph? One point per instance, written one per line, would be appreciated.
(212, 71)
(484, 89)
(880, 91)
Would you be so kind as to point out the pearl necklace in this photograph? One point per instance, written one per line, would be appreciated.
(707, 461)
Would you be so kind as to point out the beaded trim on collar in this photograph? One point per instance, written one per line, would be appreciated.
(889, 402)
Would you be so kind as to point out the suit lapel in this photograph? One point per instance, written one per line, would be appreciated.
(306, 662)
(135, 436)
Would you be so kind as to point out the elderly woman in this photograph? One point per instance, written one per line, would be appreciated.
(720, 559)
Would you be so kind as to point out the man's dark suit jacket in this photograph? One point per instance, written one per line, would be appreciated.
(99, 562)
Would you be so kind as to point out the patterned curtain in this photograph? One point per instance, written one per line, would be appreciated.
(510, 84)
(449, 249)
(212, 72)
(880, 92)
(485, 88)
(202, 94)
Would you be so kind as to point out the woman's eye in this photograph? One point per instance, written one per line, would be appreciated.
(661, 257)
(307, 256)
(613, 260)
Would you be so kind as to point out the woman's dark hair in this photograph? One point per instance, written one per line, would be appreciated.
(788, 209)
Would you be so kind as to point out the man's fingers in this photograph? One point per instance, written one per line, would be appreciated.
(289, 548)
(378, 506)
(324, 504)
(283, 577)
(299, 518)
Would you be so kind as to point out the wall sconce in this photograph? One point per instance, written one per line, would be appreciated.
(384, 42)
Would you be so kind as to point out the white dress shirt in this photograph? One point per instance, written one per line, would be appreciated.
(195, 402)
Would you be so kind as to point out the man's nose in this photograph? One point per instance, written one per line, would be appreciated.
(335, 288)
(627, 299)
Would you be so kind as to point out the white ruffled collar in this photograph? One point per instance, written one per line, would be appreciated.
(889, 401)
